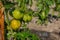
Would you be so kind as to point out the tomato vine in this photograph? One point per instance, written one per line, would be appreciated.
(23, 7)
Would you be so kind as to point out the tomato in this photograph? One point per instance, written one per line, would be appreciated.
(17, 14)
(27, 18)
(15, 24)
(43, 15)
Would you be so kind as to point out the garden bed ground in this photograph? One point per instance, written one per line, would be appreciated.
(49, 32)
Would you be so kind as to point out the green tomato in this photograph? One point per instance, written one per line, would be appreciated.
(17, 14)
(27, 18)
(43, 15)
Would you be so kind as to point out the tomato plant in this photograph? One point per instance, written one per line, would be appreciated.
(21, 12)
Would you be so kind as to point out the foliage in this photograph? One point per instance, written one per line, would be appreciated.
(21, 10)
(24, 34)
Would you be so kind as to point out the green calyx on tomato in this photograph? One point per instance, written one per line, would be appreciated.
(17, 14)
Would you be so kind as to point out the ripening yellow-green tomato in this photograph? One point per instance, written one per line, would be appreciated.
(15, 24)
(17, 14)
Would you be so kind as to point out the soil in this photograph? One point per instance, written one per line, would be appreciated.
(51, 31)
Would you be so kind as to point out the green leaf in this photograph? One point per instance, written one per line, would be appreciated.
(57, 1)
(40, 7)
(46, 11)
(8, 5)
(6, 18)
(30, 2)
(58, 7)
(49, 2)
